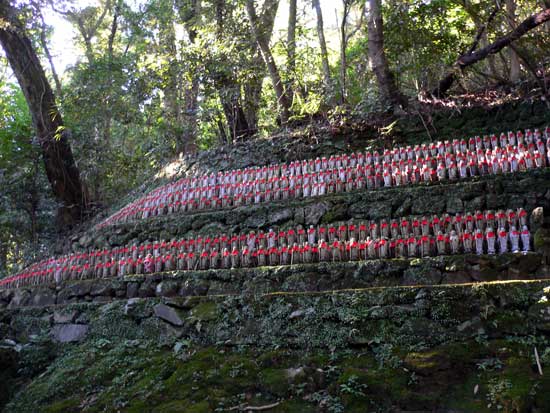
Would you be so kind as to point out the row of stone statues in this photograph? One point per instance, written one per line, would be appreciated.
(337, 251)
(482, 232)
(388, 228)
(422, 163)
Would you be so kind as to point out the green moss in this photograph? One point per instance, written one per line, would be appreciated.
(275, 381)
(64, 406)
(206, 311)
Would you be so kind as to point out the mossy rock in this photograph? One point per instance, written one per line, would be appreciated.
(204, 312)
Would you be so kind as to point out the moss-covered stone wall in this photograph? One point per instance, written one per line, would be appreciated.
(456, 348)
(296, 278)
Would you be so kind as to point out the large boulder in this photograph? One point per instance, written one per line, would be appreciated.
(168, 314)
(67, 333)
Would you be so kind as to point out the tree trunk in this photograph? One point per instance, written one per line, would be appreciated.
(515, 69)
(260, 38)
(343, 48)
(387, 87)
(62, 172)
(189, 12)
(473, 57)
(291, 38)
(230, 97)
(324, 52)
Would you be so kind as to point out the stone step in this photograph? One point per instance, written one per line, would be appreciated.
(457, 269)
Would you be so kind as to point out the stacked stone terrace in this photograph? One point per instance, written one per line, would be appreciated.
(484, 232)
(444, 165)
(427, 163)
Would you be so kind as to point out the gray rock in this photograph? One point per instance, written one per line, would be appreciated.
(536, 219)
(8, 342)
(454, 205)
(301, 313)
(256, 220)
(428, 205)
(168, 314)
(41, 298)
(67, 333)
(167, 289)
(422, 275)
(20, 298)
(132, 290)
(404, 207)
(64, 317)
(299, 216)
(85, 241)
(147, 289)
(137, 308)
(282, 215)
(475, 204)
(314, 213)
(101, 287)
(78, 289)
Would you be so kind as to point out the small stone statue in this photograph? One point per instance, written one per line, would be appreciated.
(502, 240)
(235, 258)
(412, 246)
(467, 241)
(479, 242)
(525, 240)
(454, 241)
(158, 264)
(311, 235)
(514, 239)
(441, 243)
(383, 247)
(182, 262)
(148, 264)
(490, 236)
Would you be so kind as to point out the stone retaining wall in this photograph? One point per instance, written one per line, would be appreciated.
(395, 315)
(528, 190)
(297, 278)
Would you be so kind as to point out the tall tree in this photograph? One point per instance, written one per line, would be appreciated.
(387, 87)
(291, 38)
(343, 48)
(324, 52)
(62, 172)
(260, 38)
(190, 13)
(515, 68)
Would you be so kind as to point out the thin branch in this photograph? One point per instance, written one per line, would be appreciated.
(469, 59)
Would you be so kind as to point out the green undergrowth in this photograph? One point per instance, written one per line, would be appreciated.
(140, 376)
(461, 348)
